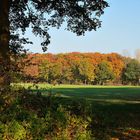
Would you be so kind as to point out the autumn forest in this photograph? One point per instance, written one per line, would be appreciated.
(80, 68)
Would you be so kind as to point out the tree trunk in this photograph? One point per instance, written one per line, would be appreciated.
(85, 81)
(4, 43)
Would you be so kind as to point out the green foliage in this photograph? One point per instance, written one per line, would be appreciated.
(104, 73)
(14, 130)
(44, 69)
(86, 71)
(56, 72)
(131, 72)
(27, 116)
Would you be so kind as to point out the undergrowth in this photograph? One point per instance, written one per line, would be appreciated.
(28, 116)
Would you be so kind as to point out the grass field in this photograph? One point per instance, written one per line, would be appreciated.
(115, 110)
(112, 94)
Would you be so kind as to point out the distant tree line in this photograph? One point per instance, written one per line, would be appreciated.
(81, 68)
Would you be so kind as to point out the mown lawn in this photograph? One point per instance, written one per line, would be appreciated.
(114, 111)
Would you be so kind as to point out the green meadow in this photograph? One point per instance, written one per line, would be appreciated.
(108, 94)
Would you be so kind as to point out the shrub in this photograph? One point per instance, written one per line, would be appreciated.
(28, 116)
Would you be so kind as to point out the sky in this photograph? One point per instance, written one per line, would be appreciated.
(120, 32)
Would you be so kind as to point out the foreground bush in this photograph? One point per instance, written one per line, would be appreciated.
(27, 116)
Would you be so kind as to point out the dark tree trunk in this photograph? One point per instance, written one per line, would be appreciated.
(4, 43)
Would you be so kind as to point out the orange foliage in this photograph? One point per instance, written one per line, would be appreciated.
(34, 60)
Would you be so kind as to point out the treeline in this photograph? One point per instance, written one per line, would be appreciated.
(81, 68)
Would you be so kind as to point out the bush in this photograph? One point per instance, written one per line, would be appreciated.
(28, 116)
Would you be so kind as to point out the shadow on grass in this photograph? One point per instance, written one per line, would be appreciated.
(119, 95)
(114, 112)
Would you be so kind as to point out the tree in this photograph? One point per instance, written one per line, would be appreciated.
(103, 73)
(117, 64)
(40, 15)
(51, 72)
(86, 71)
(55, 73)
(44, 70)
(131, 72)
